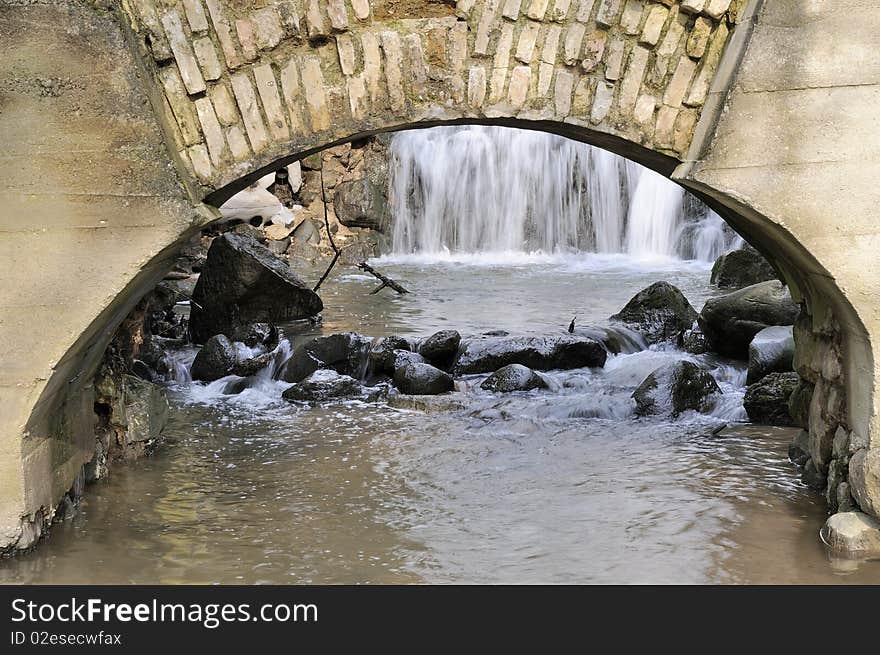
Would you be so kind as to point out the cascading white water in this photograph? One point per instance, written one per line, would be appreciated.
(493, 189)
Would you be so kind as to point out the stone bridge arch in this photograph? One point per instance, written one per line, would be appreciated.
(730, 98)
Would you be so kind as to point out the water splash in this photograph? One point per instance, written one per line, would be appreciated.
(478, 189)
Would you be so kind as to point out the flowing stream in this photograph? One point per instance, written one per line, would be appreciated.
(493, 230)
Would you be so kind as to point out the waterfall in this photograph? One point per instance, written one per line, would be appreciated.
(492, 189)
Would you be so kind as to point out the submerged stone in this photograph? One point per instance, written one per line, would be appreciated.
(675, 388)
(441, 347)
(215, 360)
(345, 352)
(766, 401)
(514, 377)
(422, 379)
(852, 534)
(323, 385)
(541, 353)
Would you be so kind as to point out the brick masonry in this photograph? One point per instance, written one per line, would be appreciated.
(249, 83)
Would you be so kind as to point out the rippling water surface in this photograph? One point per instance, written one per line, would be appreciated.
(559, 486)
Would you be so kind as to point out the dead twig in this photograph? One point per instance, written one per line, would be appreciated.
(386, 281)
(336, 250)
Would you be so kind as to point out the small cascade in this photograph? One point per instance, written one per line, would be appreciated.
(482, 189)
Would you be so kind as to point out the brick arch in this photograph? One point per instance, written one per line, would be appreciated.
(243, 88)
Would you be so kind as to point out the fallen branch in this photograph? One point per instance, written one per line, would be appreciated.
(386, 281)
(336, 250)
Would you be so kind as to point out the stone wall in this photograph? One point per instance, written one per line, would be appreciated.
(247, 85)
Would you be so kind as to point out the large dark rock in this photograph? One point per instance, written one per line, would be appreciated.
(799, 403)
(514, 377)
(382, 353)
(243, 283)
(360, 203)
(215, 360)
(323, 385)
(660, 313)
(730, 322)
(422, 379)
(766, 401)
(675, 388)
(540, 353)
(441, 347)
(256, 334)
(346, 353)
(771, 351)
(741, 268)
(252, 366)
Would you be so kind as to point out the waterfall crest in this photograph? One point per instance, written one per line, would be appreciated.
(493, 189)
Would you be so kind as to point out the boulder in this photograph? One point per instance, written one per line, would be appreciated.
(382, 353)
(541, 353)
(252, 366)
(243, 283)
(766, 401)
(616, 339)
(215, 360)
(864, 479)
(771, 351)
(323, 385)
(417, 379)
(730, 322)
(799, 404)
(441, 347)
(346, 353)
(256, 334)
(693, 341)
(360, 203)
(675, 388)
(660, 313)
(799, 449)
(400, 358)
(741, 268)
(146, 410)
(852, 534)
(514, 377)
(813, 477)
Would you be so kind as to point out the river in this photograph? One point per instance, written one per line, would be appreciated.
(559, 486)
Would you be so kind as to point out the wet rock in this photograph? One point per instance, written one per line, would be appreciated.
(660, 313)
(864, 479)
(382, 353)
(323, 385)
(813, 477)
(799, 449)
(400, 358)
(346, 353)
(694, 341)
(799, 403)
(360, 203)
(766, 401)
(427, 404)
(845, 501)
(243, 283)
(771, 351)
(252, 366)
(441, 347)
(730, 322)
(417, 379)
(146, 410)
(539, 353)
(741, 268)
(675, 388)
(256, 334)
(215, 360)
(837, 472)
(616, 339)
(852, 534)
(513, 377)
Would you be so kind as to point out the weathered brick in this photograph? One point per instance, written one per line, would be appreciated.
(594, 49)
(394, 70)
(245, 31)
(224, 104)
(679, 83)
(224, 33)
(500, 64)
(315, 92)
(484, 27)
(665, 126)
(458, 38)
(685, 123)
(699, 37)
(537, 9)
(180, 105)
(632, 80)
(268, 31)
(267, 87)
(657, 15)
(644, 109)
(700, 87)
(585, 10)
(673, 37)
(548, 59)
(417, 69)
(476, 86)
(211, 129)
(195, 16)
(290, 93)
(358, 100)
(511, 9)
(207, 57)
(602, 102)
(361, 9)
(613, 58)
(560, 10)
(158, 42)
(183, 54)
(372, 65)
(562, 93)
(545, 79)
(583, 97)
(692, 6)
(519, 86)
(338, 15)
(716, 8)
(250, 111)
(201, 162)
(316, 25)
(345, 50)
(608, 12)
(525, 48)
(238, 144)
(571, 47)
(632, 16)
(463, 8)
